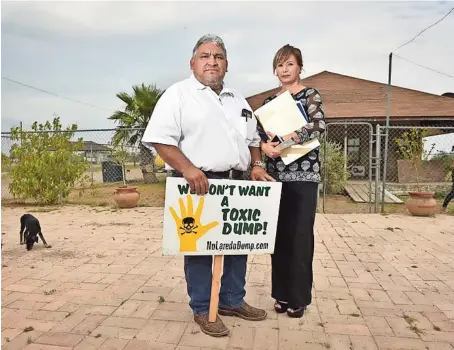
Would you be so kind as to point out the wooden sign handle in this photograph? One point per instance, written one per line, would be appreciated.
(215, 286)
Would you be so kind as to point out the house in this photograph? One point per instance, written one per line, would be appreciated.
(94, 152)
(355, 100)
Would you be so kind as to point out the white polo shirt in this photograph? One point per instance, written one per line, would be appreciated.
(209, 129)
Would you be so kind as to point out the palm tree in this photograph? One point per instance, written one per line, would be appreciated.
(132, 123)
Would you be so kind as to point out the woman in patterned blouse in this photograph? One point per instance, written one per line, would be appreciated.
(294, 250)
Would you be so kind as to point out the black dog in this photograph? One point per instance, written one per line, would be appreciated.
(29, 231)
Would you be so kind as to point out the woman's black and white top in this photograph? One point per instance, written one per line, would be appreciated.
(306, 168)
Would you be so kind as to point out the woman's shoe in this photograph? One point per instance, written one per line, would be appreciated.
(280, 307)
(296, 313)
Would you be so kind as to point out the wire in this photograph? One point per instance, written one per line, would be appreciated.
(428, 68)
(422, 31)
(54, 94)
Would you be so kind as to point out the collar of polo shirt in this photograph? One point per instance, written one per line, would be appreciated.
(200, 86)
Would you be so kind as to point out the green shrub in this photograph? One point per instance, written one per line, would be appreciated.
(410, 146)
(47, 167)
(6, 162)
(448, 161)
(337, 175)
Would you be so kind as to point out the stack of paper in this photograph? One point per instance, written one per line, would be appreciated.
(281, 116)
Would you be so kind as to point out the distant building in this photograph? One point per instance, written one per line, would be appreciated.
(94, 152)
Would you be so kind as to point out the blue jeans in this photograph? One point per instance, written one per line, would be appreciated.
(198, 273)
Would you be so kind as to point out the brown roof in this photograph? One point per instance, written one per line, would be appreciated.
(346, 97)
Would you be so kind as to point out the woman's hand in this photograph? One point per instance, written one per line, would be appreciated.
(293, 136)
(269, 149)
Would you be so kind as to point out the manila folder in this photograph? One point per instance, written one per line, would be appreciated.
(281, 116)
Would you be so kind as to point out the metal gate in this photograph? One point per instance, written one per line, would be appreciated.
(350, 162)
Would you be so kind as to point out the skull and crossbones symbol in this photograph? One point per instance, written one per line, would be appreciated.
(188, 226)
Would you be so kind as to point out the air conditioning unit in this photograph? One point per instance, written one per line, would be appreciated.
(358, 170)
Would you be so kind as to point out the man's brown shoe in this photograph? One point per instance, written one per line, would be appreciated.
(215, 329)
(245, 311)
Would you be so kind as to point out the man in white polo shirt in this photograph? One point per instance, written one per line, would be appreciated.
(202, 129)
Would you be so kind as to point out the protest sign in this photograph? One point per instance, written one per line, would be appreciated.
(235, 217)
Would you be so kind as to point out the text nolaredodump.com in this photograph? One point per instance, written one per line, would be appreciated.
(236, 246)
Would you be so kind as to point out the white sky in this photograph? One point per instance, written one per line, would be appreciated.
(89, 51)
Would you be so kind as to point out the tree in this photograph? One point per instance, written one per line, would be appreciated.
(47, 165)
(120, 155)
(132, 123)
(410, 146)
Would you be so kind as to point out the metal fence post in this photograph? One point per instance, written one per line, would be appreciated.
(325, 166)
(377, 166)
(385, 163)
(371, 141)
(388, 112)
(91, 164)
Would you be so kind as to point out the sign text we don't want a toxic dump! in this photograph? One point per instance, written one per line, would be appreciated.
(239, 221)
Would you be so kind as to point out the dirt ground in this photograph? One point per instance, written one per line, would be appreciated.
(153, 195)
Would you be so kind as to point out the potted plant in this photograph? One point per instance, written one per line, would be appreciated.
(125, 196)
(411, 148)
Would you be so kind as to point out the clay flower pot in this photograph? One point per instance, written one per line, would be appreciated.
(126, 196)
(421, 203)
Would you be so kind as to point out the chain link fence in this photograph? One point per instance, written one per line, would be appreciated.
(347, 157)
(355, 178)
(106, 164)
(418, 158)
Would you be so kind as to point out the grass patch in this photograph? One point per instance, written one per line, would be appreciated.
(43, 209)
(415, 329)
(409, 319)
(112, 223)
(412, 323)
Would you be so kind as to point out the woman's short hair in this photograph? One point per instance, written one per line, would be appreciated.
(285, 52)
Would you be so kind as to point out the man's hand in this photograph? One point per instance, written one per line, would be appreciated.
(259, 174)
(177, 160)
(197, 180)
